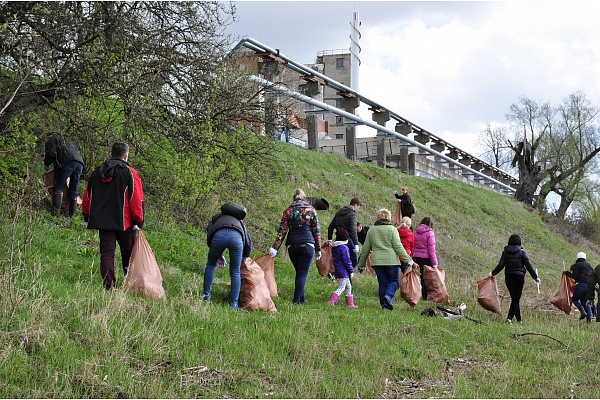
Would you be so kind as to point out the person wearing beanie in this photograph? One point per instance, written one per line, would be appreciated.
(343, 268)
(580, 273)
(515, 262)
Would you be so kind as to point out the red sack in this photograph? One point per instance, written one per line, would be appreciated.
(143, 275)
(368, 269)
(397, 217)
(254, 293)
(488, 296)
(435, 279)
(267, 264)
(325, 264)
(563, 299)
(410, 285)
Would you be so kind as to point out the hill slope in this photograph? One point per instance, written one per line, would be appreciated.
(62, 335)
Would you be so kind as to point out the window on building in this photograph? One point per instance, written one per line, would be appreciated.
(338, 103)
(339, 120)
(339, 62)
(339, 135)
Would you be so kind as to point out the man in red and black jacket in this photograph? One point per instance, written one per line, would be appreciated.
(113, 203)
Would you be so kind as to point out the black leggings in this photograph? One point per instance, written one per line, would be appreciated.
(515, 284)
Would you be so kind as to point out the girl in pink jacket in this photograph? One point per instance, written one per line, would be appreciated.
(424, 252)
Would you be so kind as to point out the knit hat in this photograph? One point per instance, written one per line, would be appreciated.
(341, 234)
(581, 254)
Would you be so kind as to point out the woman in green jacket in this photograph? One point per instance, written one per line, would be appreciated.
(384, 243)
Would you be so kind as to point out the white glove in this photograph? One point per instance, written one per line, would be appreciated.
(491, 275)
(318, 255)
(352, 275)
(272, 252)
(538, 280)
(85, 225)
(136, 228)
(356, 249)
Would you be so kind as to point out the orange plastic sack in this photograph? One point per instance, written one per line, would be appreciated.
(488, 296)
(368, 269)
(563, 298)
(410, 286)
(143, 275)
(435, 279)
(397, 217)
(325, 264)
(267, 264)
(254, 293)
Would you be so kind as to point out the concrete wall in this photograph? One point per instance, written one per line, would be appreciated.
(402, 158)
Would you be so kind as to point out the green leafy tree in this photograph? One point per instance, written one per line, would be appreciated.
(155, 74)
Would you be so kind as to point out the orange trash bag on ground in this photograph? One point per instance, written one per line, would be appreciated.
(254, 293)
(325, 264)
(488, 295)
(397, 217)
(143, 275)
(435, 282)
(563, 298)
(410, 286)
(267, 264)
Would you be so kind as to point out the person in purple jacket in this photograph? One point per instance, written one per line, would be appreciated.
(424, 252)
(343, 268)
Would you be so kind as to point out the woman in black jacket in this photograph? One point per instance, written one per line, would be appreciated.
(515, 260)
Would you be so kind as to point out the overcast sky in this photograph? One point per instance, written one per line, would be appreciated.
(449, 67)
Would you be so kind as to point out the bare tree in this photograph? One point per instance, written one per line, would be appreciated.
(571, 151)
(532, 119)
(494, 141)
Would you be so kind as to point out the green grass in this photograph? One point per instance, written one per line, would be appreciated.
(62, 335)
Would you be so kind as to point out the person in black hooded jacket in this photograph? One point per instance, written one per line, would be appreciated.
(68, 164)
(113, 203)
(346, 218)
(515, 262)
(580, 273)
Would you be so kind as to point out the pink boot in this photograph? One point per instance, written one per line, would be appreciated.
(350, 301)
(333, 298)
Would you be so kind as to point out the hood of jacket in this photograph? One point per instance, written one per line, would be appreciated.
(422, 229)
(340, 243)
(108, 168)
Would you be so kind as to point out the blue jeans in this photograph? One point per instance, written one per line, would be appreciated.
(301, 256)
(388, 281)
(72, 170)
(225, 238)
(579, 294)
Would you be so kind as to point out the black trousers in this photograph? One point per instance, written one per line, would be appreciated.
(514, 284)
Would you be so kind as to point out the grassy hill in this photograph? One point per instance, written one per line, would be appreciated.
(62, 335)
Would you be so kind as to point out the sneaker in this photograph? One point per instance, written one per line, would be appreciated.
(206, 297)
(508, 321)
(388, 302)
